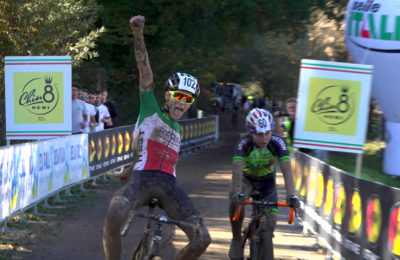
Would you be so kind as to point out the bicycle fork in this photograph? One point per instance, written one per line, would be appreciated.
(260, 239)
(154, 247)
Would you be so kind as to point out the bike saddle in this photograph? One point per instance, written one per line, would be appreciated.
(255, 195)
(153, 202)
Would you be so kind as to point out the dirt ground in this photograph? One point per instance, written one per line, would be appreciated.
(205, 175)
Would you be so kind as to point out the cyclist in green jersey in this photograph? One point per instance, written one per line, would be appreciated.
(253, 170)
(156, 152)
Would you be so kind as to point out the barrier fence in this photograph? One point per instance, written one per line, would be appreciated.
(355, 218)
(32, 172)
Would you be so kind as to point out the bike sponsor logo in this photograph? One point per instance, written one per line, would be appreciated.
(371, 22)
(38, 97)
(332, 106)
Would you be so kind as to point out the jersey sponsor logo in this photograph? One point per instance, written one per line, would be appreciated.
(279, 141)
(139, 145)
(242, 144)
(160, 157)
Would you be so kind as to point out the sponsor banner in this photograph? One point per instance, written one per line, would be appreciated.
(30, 172)
(44, 168)
(23, 177)
(333, 104)
(110, 149)
(77, 159)
(196, 132)
(6, 181)
(357, 218)
(373, 37)
(38, 96)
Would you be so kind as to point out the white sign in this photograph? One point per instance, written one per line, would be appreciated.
(38, 97)
(333, 104)
(373, 37)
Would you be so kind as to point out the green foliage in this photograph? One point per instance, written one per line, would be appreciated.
(198, 37)
(47, 27)
(372, 166)
(273, 61)
(205, 38)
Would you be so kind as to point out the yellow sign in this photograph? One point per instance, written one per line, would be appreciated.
(332, 106)
(38, 97)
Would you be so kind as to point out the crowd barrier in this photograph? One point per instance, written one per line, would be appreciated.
(354, 218)
(33, 172)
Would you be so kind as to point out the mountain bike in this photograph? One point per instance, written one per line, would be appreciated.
(150, 245)
(256, 232)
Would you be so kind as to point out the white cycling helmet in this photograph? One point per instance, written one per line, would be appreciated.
(259, 121)
(183, 81)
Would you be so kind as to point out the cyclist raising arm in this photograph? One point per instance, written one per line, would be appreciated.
(253, 170)
(157, 143)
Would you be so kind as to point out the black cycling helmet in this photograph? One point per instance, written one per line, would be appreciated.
(183, 81)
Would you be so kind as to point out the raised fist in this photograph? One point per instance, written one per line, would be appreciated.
(137, 23)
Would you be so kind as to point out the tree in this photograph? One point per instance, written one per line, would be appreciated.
(197, 37)
(47, 27)
(273, 61)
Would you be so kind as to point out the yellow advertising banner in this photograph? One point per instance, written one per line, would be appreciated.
(38, 97)
(332, 106)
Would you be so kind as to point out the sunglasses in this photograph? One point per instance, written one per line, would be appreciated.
(179, 96)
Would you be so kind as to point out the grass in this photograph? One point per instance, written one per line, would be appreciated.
(372, 164)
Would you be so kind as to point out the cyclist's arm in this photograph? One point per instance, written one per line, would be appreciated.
(287, 176)
(237, 173)
(145, 73)
(284, 162)
(126, 174)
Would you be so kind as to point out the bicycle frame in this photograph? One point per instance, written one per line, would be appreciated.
(149, 245)
(256, 232)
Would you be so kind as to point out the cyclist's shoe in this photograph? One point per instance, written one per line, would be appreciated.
(236, 250)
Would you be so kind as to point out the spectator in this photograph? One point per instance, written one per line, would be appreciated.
(258, 102)
(103, 116)
(288, 127)
(91, 121)
(79, 111)
(111, 109)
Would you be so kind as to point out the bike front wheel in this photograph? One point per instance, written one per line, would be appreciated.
(140, 251)
(266, 247)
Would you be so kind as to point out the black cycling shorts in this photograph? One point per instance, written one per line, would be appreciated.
(266, 189)
(145, 185)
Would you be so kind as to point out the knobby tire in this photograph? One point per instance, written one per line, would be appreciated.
(143, 248)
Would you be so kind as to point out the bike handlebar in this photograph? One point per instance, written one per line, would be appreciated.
(264, 204)
(165, 220)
